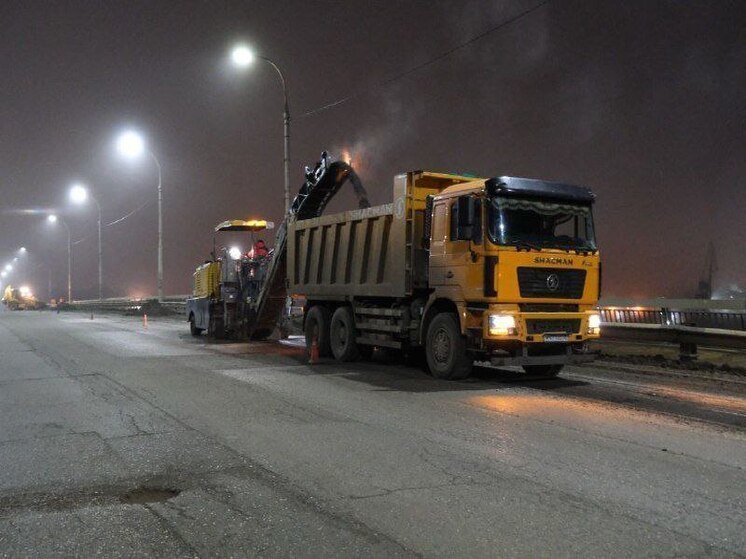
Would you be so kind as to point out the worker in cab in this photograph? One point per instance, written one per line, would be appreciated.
(260, 249)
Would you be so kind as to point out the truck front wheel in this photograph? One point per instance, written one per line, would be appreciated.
(318, 320)
(342, 335)
(445, 349)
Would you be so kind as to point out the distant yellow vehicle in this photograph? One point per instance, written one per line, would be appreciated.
(21, 298)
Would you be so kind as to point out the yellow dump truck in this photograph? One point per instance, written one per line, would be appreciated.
(461, 269)
(225, 286)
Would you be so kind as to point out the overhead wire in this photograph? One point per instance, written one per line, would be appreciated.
(118, 220)
(427, 63)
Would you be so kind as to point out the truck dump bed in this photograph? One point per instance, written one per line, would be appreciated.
(351, 254)
(371, 252)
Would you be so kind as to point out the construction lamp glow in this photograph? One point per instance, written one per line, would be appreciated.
(594, 321)
(8, 267)
(235, 253)
(52, 218)
(25, 291)
(501, 324)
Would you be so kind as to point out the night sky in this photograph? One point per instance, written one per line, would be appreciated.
(643, 101)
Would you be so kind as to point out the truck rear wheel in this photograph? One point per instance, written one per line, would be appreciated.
(543, 371)
(318, 320)
(342, 335)
(445, 349)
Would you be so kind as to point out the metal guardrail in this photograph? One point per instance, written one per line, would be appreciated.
(176, 303)
(723, 320)
(689, 328)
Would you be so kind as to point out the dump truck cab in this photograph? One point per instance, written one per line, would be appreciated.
(518, 260)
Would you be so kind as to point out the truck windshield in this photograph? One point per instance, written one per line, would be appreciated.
(541, 224)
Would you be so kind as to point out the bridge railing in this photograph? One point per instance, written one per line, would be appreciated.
(724, 320)
(689, 328)
(175, 303)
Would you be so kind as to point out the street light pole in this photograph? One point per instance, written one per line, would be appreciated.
(78, 195)
(160, 228)
(132, 145)
(242, 57)
(52, 218)
(286, 120)
(100, 261)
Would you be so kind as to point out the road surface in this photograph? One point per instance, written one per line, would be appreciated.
(118, 440)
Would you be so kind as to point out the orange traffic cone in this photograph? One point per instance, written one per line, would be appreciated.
(314, 357)
(145, 321)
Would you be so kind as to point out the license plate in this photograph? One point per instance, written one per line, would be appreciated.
(556, 338)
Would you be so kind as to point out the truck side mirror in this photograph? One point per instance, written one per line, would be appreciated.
(466, 218)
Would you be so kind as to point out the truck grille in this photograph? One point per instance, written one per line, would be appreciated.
(540, 326)
(551, 283)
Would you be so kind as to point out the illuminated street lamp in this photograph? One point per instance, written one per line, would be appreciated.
(53, 219)
(131, 144)
(9, 267)
(79, 195)
(242, 57)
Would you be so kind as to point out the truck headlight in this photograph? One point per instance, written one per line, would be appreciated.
(594, 323)
(502, 325)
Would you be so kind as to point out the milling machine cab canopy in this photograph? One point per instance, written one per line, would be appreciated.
(244, 225)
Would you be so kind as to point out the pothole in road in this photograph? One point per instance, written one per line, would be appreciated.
(145, 495)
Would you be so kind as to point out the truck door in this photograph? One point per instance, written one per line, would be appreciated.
(462, 259)
(456, 251)
(437, 244)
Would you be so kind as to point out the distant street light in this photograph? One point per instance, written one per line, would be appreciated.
(242, 57)
(9, 267)
(131, 144)
(51, 218)
(79, 195)
(22, 250)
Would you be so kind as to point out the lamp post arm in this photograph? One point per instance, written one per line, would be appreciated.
(282, 78)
